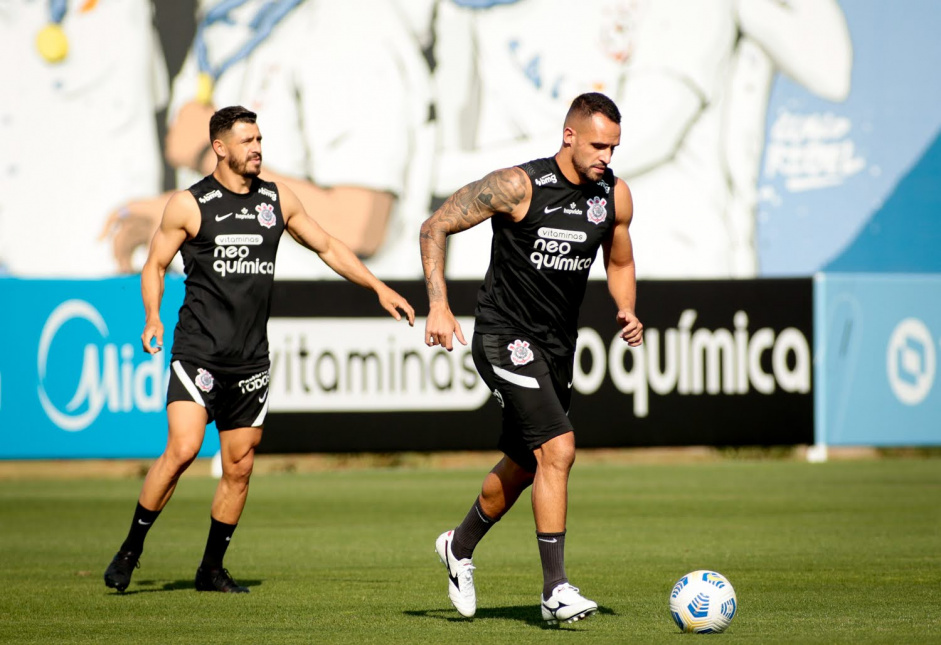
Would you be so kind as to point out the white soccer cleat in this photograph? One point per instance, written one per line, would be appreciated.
(566, 605)
(460, 577)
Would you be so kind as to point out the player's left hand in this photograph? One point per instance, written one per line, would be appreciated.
(632, 330)
(392, 302)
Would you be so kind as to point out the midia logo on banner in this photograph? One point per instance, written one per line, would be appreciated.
(108, 374)
(911, 361)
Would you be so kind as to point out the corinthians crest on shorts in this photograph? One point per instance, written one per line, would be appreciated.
(204, 380)
(520, 353)
(596, 210)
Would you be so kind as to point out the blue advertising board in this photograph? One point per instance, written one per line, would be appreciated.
(876, 365)
(74, 379)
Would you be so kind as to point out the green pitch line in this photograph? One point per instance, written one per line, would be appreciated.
(845, 552)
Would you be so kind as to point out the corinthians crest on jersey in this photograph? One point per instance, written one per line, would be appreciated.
(266, 216)
(596, 210)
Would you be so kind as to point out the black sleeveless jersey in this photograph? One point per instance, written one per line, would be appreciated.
(539, 266)
(229, 268)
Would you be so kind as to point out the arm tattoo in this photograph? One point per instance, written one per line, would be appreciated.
(499, 192)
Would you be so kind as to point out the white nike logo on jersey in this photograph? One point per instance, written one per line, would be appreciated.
(264, 396)
(548, 210)
(219, 218)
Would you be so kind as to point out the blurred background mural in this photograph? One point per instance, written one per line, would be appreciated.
(761, 138)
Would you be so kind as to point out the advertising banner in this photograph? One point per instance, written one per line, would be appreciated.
(74, 380)
(877, 359)
(723, 363)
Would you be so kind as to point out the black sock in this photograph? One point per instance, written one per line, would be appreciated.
(143, 520)
(471, 531)
(552, 554)
(219, 535)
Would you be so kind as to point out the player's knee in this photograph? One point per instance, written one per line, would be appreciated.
(511, 476)
(557, 453)
(180, 454)
(239, 469)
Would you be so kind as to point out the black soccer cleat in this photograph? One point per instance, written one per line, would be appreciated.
(217, 580)
(118, 573)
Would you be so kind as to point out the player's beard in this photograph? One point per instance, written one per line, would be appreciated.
(242, 167)
(586, 172)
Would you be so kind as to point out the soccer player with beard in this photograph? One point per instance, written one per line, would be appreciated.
(549, 217)
(227, 227)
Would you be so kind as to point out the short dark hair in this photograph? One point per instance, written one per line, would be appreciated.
(585, 105)
(223, 120)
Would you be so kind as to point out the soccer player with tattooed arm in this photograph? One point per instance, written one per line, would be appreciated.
(549, 217)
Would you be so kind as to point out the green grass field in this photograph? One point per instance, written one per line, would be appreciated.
(844, 552)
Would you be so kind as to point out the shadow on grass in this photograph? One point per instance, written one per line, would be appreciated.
(151, 586)
(523, 613)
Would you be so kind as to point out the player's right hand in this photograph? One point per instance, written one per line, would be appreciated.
(153, 329)
(632, 330)
(440, 328)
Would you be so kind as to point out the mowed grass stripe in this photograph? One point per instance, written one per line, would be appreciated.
(818, 553)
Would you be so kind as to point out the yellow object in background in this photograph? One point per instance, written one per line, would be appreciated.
(204, 87)
(52, 43)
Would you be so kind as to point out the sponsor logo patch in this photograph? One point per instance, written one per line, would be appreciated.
(520, 353)
(546, 179)
(244, 214)
(204, 380)
(561, 234)
(211, 195)
(267, 192)
(604, 184)
(572, 209)
(233, 255)
(254, 383)
(554, 247)
(597, 212)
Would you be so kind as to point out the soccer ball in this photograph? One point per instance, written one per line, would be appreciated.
(703, 602)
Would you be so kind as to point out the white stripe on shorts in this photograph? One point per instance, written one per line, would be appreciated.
(188, 383)
(516, 379)
(260, 419)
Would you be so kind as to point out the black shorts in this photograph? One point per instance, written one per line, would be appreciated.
(233, 399)
(533, 387)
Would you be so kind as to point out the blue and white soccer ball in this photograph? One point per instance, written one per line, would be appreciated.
(703, 602)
